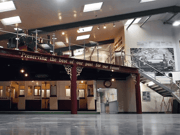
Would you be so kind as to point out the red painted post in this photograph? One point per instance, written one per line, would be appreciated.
(73, 91)
(138, 95)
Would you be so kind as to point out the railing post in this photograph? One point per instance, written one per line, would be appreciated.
(138, 95)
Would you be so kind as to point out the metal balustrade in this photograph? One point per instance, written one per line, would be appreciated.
(170, 90)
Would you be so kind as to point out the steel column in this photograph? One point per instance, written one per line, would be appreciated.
(138, 95)
(73, 90)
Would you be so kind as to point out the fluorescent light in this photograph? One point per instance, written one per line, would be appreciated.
(83, 37)
(143, 1)
(19, 29)
(130, 21)
(45, 46)
(7, 6)
(85, 29)
(176, 23)
(60, 44)
(92, 7)
(11, 20)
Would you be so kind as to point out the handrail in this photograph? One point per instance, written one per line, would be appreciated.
(152, 68)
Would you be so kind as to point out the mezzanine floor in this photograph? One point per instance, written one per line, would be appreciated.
(114, 124)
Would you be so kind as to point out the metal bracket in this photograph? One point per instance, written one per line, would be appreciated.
(68, 69)
(79, 70)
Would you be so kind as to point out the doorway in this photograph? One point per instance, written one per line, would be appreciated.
(108, 100)
(45, 95)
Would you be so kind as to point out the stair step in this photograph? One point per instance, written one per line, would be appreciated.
(154, 86)
(158, 89)
(162, 90)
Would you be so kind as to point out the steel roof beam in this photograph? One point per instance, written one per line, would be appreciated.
(167, 21)
(171, 9)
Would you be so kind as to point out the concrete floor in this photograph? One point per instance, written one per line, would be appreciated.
(116, 124)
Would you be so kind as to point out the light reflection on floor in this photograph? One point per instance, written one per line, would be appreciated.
(118, 124)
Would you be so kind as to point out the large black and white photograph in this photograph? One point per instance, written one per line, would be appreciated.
(159, 58)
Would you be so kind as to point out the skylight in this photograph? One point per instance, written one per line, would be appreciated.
(85, 29)
(7, 6)
(143, 1)
(11, 20)
(92, 7)
(130, 20)
(83, 37)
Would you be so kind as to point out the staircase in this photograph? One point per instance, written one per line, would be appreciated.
(170, 90)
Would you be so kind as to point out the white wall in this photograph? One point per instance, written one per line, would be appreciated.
(177, 41)
(156, 103)
(154, 31)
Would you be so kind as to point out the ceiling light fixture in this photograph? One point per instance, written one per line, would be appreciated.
(11, 20)
(22, 70)
(98, 27)
(83, 37)
(60, 17)
(130, 21)
(26, 75)
(143, 1)
(112, 79)
(104, 27)
(92, 7)
(7, 6)
(63, 33)
(85, 29)
(19, 29)
(75, 15)
(176, 23)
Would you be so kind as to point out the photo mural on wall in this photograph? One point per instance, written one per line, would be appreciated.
(159, 58)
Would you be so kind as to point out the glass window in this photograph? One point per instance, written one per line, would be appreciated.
(21, 91)
(42, 93)
(68, 93)
(37, 91)
(81, 93)
(30, 91)
(8, 91)
(1, 91)
(47, 93)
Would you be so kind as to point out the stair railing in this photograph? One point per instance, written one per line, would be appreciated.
(132, 62)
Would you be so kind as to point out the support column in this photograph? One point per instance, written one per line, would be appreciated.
(138, 95)
(73, 90)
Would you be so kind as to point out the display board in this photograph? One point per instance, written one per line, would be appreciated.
(159, 58)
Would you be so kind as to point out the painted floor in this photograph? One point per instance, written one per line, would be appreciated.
(116, 124)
